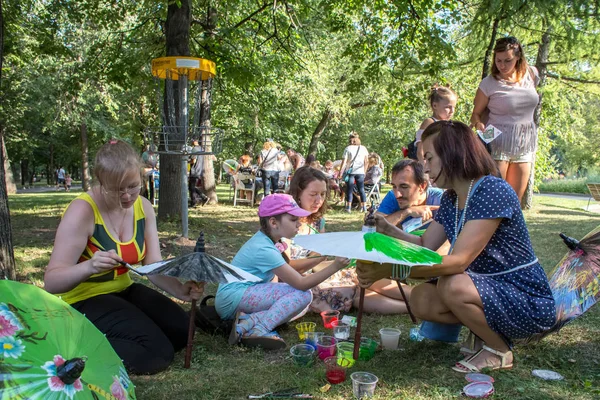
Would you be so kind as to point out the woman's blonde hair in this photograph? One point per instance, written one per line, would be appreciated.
(114, 160)
(510, 43)
(373, 159)
(269, 144)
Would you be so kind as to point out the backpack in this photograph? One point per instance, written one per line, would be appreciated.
(209, 321)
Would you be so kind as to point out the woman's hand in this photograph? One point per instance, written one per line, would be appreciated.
(103, 261)
(190, 291)
(369, 273)
(424, 212)
(479, 126)
(342, 262)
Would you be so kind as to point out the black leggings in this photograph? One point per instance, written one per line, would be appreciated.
(144, 327)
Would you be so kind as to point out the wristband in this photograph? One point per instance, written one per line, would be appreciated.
(400, 271)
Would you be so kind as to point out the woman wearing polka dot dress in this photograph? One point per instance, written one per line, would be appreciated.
(491, 281)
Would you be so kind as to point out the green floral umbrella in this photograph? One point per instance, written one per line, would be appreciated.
(50, 351)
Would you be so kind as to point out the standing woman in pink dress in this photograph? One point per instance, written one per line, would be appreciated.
(510, 95)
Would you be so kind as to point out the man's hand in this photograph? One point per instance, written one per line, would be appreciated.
(190, 291)
(368, 273)
(425, 212)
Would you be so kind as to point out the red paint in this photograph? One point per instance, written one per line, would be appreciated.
(335, 376)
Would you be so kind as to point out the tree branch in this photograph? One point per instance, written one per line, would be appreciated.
(363, 104)
(249, 17)
(570, 79)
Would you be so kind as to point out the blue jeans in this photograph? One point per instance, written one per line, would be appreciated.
(360, 185)
(270, 179)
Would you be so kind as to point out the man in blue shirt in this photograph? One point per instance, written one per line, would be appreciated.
(411, 202)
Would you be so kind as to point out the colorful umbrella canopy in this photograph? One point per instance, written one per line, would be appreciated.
(230, 166)
(369, 246)
(49, 351)
(575, 281)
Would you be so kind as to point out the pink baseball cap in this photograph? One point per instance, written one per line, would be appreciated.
(279, 203)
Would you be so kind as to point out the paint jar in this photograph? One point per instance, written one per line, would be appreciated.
(311, 338)
(363, 384)
(367, 348)
(303, 354)
(335, 369)
(329, 317)
(345, 353)
(304, 327)
(326, 347)
(389, 338)
(341, 331)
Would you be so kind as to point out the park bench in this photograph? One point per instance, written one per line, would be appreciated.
(594, 189)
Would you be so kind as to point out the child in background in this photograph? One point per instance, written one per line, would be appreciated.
(245, 168)
(68, 182)
(442, 100)
(374, 172)
(260, 307)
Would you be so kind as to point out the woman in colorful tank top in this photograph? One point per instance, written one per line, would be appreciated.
(99, 229)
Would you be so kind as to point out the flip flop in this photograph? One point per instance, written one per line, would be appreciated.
(465, 367)
(266, 342)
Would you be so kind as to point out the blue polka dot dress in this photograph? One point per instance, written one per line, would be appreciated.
(516, 297)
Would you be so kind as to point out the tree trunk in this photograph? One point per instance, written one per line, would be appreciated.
(177, 44)
(541, 65)
(86, 179)
(490, 49)
(11, 187)
(50, 175)
(314, 141)
(24, 172)
(208, 176)
(7, 256)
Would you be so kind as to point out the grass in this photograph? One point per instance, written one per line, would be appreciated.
(419, 371)
(571, 185)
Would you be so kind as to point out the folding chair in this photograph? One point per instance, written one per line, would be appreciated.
(594, 189)
(240, 189)
(374, 193)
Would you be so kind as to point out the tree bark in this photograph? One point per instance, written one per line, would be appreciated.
(490, 49)
(541, 65)
(7, 256)
(314, 141)
(208, 176)
(86, 179)
(179, 16)
(11, 187)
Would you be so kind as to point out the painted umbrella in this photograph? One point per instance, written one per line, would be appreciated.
(50, 351)
(198, 267)
(575, 281)
(230, 166)
(368, 245)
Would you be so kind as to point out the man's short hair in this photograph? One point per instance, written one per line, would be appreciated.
(419, 173)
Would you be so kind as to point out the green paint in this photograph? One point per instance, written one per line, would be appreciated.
(419, 233)
(402, 251)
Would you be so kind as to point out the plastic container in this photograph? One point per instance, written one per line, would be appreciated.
(389, 338)
(335, 369)
(448, 333)
(303, 354)
(311, 338)
(477, 377)
(345, 351)
(329, 317)
(341, 331)
(304, 327)
(363, 384)
(326, 347)
(367, 348)
(478, 390)
(547, 375)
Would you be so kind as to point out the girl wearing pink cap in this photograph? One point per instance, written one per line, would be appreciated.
(259, 307)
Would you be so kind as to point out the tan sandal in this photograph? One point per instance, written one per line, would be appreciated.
(465, 367)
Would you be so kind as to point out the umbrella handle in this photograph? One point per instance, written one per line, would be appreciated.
(361, 303)
(412, 316)
(191, 330)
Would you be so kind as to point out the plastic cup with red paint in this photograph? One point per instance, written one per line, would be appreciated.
(335, 369)
(329, 317)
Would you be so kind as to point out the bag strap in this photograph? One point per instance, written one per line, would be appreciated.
(352, 162)
(464, 213)
(266, 158)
